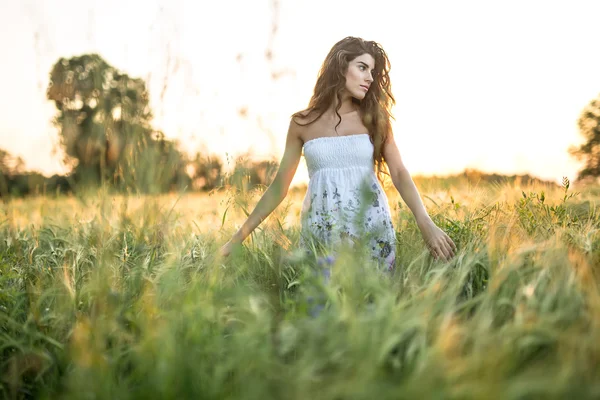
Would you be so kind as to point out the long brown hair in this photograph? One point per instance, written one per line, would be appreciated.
(375, 107)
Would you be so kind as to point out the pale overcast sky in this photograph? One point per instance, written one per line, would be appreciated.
(493, 85)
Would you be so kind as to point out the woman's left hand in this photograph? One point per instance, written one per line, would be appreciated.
(440, 245)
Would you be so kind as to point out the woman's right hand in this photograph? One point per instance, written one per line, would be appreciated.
(277, 189)
(227, 248)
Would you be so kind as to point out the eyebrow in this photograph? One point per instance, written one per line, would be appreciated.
(366, 65)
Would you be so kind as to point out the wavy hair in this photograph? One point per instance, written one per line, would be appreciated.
(375, 107)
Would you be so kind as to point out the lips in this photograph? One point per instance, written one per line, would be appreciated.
(364, 87)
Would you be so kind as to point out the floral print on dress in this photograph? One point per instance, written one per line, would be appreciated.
(344, 201)
(327, 225)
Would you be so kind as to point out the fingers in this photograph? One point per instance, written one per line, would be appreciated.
(451, 243)
(224, 251)
(437, 252)
(442, 250)
(434, 253)
(449, 248)
(228, 248)
(439, 243)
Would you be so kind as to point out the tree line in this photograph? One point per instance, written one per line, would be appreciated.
(104, 122)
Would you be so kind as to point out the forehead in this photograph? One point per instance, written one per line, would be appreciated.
(366, 58)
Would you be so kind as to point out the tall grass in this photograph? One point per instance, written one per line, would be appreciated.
(117, 297)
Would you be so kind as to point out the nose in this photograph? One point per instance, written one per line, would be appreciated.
(370, 78)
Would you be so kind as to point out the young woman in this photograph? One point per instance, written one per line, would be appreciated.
(348, 146)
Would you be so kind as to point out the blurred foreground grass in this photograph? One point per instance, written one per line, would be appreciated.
(123, 297)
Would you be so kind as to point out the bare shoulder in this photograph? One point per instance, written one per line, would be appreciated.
(303, 117)
(300, 124)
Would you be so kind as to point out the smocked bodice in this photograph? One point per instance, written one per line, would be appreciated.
(339, 152)
(344, 201)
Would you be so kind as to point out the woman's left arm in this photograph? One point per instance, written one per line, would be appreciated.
(439, 243)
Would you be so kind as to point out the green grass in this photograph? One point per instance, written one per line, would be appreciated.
(105, 297)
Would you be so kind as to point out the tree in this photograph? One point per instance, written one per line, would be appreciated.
(16, 181)
(248, 174)
(9, 167)
(9, 164)
(589, 127)
(104, 123)
(206, 171)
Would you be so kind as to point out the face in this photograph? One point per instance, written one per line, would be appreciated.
(360, 76)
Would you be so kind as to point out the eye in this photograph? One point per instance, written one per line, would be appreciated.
(361, 67)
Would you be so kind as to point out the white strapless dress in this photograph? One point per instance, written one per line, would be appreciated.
(345, 201)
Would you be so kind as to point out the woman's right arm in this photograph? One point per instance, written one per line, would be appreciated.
(276, 192)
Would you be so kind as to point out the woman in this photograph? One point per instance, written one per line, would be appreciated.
(348, 144)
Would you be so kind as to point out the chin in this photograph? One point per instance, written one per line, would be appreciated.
(360, 96)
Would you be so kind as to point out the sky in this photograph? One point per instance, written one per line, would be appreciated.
(492, 85)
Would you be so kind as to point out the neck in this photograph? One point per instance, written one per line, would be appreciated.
(348, 105)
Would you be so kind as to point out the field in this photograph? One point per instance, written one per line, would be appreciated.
(124, 297)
